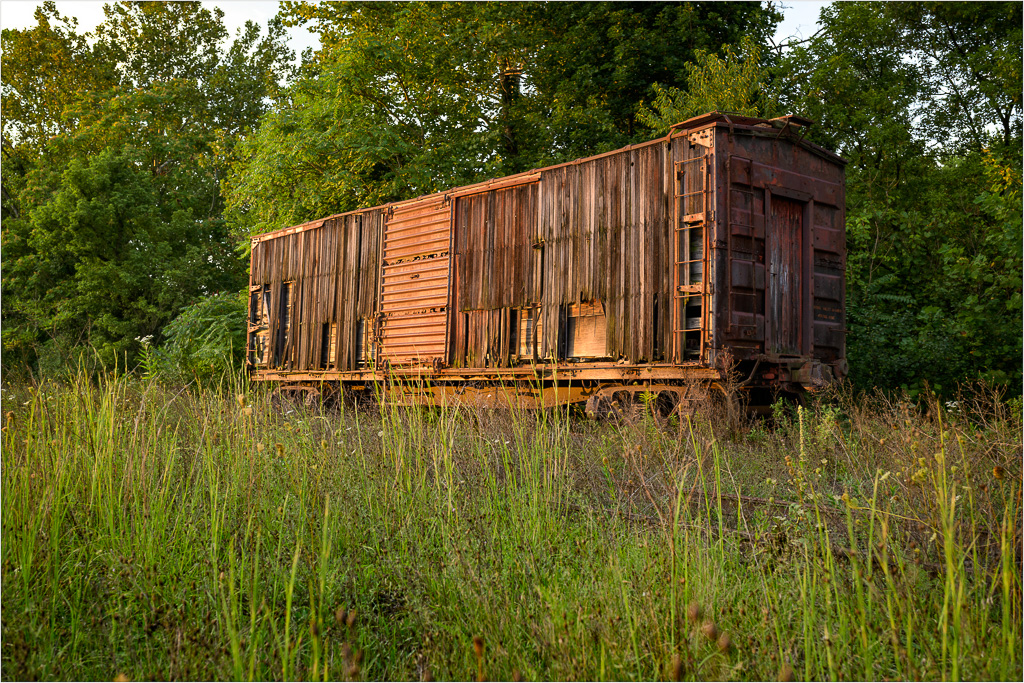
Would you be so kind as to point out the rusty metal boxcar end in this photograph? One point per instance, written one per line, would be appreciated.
(713, 256)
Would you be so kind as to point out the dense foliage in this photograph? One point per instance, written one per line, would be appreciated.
(206, 342)
(924, 100)
(114, 145)
(407, 99)
(136, 158)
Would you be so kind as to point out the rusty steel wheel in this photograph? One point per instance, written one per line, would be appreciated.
(729, 405)
(288, 398)
(617, 407)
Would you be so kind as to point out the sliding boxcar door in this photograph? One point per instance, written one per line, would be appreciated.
(784, 309)
(413, 314)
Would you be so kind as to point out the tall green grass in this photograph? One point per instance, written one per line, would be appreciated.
(192, 533)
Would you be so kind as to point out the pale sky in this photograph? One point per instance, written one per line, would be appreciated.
(800, 17)
(18, 14)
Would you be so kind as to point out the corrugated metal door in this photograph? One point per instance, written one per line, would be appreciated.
(413, 312)
(785, 265)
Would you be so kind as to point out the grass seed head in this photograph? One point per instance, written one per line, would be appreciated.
(710, 630)
(786, 673)
(516, 676)
(351, 619)
(121, 678)
(724, 642)
(677, 667)
(478, 646)
(998, 472)
(339, 616)
(694, 612)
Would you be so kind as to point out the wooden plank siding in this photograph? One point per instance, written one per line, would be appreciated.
(332, 271)
(600, 236)
(573, 264)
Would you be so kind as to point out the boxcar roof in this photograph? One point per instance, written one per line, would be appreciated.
(777, 127)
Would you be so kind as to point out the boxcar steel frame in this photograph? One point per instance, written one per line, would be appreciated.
(713, 256)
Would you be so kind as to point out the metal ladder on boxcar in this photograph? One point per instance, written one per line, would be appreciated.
(689, 243)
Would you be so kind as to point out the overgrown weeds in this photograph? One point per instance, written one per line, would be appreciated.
(202, 534)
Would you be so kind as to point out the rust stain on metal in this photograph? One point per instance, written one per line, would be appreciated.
(723, 240)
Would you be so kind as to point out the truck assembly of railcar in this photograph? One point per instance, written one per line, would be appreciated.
(711, 258)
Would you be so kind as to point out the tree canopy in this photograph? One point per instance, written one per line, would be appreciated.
(114, 146)
(924, 100)
(405, 99)
(138, 157)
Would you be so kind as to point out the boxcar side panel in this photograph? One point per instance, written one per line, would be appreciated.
(495, 260)
(319, 292)
(727, 235)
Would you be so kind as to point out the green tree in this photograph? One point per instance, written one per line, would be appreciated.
(46, 70)
(409, 98)
(924, 101)
(735, 83)
(391, 107)
(599, 61)
(113, 223)
(105, 259)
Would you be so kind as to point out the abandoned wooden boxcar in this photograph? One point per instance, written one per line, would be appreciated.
(712, 257)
